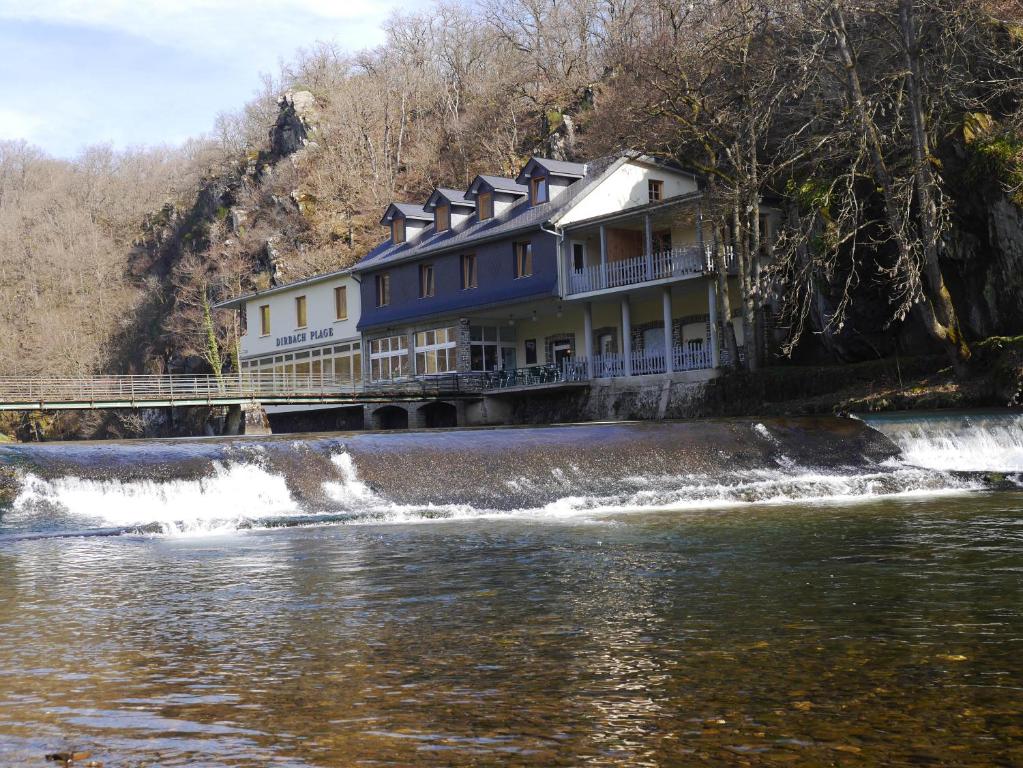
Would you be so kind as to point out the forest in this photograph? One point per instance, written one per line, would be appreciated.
(889, 133)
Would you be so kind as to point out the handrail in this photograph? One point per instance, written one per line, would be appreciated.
(682, 261)
(135, 388)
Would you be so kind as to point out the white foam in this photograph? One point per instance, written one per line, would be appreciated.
(971, 444)
(231, 495)
(349, 491)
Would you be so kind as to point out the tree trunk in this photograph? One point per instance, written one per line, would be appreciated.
(721, 267)
(950, 337)
(938, 313)
(740, 245)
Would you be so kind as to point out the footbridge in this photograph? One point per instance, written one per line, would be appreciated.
(101, 392)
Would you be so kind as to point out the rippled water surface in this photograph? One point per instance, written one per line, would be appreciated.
(888, 632)
(841, 617)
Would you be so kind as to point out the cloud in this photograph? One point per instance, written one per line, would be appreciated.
(141, 72)
(17, 124)
(214, 26)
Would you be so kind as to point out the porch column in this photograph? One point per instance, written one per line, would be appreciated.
(669, 342)
(588, 337)
(648, 244)
(712, 307)
(699, 237)
(564, 268)
(603, 257)
(627, 335)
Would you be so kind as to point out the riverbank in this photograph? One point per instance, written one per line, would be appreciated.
(994, 380)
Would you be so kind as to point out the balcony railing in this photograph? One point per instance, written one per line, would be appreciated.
(646, 363)
(672, 264)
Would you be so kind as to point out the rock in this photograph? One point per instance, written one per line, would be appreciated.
(296, 120)
(68, 757)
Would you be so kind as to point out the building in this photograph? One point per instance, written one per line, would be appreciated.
(303, 331)
(570, 271)
(569, 275)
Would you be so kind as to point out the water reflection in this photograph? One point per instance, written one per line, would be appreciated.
(882, 633)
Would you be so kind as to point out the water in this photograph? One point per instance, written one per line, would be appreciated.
(776, 592)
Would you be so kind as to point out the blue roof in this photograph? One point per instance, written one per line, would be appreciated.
(519, 217)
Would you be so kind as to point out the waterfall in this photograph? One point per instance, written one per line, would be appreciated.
(584, 471)
(980, 442)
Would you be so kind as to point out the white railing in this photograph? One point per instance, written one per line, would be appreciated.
(645, 364)
(692, 359)
(608, 366)
(672, 264)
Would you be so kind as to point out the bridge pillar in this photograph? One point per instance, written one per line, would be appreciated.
(256, 422)
(233, 422)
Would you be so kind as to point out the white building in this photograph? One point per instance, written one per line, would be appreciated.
(305, 328)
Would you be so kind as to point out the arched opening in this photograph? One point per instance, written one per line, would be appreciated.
(439, 415)
(391, 417)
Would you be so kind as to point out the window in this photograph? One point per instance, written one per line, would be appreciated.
(530, 351)
(491, 348)
(442, 218)
(662, 241)
(468, 271)
(578, 256)
(653, 341)
(383, 290)
(655, 190)
(538, 190)
(264, 320)
(341, 302)
(436, 351)
(485, 205)
(425, 280)
(398, 231)
(300, 312)
(388, 358)
(523, 259)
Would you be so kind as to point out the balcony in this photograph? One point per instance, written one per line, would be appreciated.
(645, 363)
(674, 264)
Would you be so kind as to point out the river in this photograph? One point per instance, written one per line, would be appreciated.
(790, 591)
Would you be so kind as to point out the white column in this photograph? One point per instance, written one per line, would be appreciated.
(699, 237)
(588, 337)
(712, 307)
(627, 335)
(603, 257)
(648, 246)
(669, 346)
(564, 268)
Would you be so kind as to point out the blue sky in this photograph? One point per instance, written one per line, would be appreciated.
(80, 72)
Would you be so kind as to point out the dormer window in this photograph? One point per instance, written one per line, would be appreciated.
(538, 190)
(398, 231)
(485, 205)
(442, 218)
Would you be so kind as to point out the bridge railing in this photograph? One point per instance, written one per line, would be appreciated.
(255, 386)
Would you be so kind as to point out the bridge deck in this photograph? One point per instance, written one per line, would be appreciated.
(30, 394)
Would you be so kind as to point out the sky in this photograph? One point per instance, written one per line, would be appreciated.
(139, 72)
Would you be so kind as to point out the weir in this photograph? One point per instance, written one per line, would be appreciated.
(226, 484)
